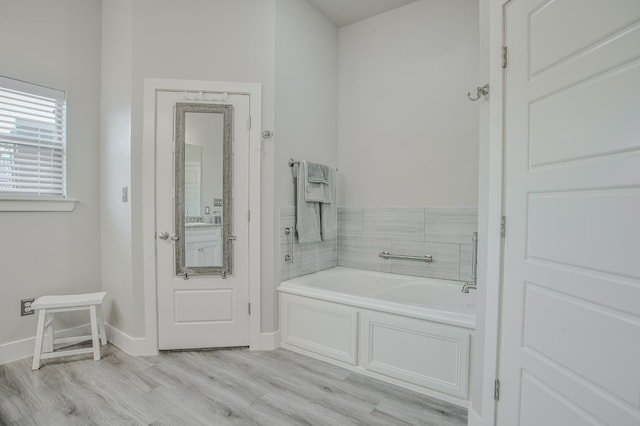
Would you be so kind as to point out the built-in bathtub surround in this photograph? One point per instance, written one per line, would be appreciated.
(308, 257)
(444, 233)
(410, 331)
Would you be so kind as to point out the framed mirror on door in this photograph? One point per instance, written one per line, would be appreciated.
(203, 189)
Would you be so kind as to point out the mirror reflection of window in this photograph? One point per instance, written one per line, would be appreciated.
(192, 180)
(200, 144)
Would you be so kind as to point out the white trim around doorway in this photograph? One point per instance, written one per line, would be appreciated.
(151, 87)
(494, 27)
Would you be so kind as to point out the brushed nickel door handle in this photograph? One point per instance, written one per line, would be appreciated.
(165, 236)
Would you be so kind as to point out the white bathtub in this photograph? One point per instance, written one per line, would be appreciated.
(411, 331)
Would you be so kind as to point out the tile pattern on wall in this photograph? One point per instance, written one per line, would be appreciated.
(450, 225)
(444, 233)
(364, 232)
(308, 257)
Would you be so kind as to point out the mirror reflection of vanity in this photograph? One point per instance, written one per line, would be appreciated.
(203, 189)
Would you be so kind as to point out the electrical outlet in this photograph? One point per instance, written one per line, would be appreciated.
(25, 307)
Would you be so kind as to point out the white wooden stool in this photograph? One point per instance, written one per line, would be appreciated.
(47, 306)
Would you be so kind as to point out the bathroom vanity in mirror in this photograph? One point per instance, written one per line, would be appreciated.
(203, 244)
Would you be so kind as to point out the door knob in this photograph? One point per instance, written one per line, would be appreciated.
(165, 236)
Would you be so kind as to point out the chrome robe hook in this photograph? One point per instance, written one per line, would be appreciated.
(480, 92)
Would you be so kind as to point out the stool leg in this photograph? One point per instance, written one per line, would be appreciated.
(101, 328)
(94, 333)
(37, 351)
(48, 328)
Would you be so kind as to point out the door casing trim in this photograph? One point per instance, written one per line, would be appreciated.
(493, 27)
(151, 87)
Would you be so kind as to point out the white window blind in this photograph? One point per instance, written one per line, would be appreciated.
(32, 139)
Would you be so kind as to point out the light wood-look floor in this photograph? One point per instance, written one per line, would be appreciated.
(224, 387)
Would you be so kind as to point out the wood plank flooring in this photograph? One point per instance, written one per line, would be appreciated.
(222, 387)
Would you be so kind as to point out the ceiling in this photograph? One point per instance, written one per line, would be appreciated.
(345, 12)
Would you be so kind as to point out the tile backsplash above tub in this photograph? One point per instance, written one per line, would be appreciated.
(308, 257)
(444, 233)
(364, 232)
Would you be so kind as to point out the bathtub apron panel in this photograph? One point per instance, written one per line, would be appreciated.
(412, 332)
(424, 353)
(325, 328)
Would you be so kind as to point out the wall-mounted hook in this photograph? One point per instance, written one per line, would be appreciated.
(267, 134)
(480, 92)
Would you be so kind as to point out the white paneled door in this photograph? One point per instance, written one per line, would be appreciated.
(210, 310)
(570, 345)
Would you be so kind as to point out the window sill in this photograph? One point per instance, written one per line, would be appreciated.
(12, 203)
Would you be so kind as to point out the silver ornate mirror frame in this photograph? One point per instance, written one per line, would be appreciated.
(227, 224)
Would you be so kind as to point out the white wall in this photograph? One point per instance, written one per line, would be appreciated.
(408, 136)
(217, 40)
(306, 104)
(115, 162)
(413, 57)
(54, 43)
(221, 40)
(306, 91)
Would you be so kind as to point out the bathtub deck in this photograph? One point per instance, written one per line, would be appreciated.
(225, 387)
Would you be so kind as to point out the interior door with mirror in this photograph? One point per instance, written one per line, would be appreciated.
(202, 157)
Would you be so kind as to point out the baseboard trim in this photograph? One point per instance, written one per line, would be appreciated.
(474, 419)
(13, 351)
(269, 341)
(134, 346)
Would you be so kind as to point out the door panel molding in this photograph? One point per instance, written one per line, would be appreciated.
(567, 331)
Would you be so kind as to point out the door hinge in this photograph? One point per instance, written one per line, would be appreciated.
(249, 306)
(249, 215)
(173, 124)
(504, 56)
(249, 123)
(496, 390)
(503, 226)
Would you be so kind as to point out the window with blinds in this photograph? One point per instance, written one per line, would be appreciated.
(32, 139)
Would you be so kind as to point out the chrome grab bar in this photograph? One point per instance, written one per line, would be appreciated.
(387, 255)
(473, 284)
(474, 259)
(289, 256)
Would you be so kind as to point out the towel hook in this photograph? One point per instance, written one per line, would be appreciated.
(480, 92)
